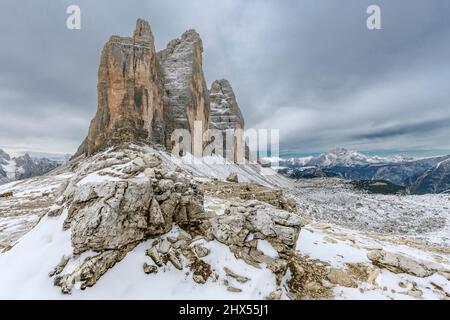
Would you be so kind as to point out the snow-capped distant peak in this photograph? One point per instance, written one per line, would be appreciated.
(25, 166)
(342, 157)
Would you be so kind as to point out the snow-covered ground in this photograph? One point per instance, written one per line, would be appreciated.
(339, 247)
(24, 272)
(422, 217)
(30, 201)
(25, 268)
(330, 239)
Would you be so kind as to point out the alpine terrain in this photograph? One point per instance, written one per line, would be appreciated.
(26, 166)
(125, 219)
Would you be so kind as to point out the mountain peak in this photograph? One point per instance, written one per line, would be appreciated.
(143, 30)
(152, 94)
(4, 155)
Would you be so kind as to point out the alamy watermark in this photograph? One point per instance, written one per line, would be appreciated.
(374, 20)
(225, 146)
(73, 21)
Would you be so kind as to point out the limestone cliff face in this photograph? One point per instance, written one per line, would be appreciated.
(225, 114)
(145, 96)
(185, 92)
(130, 100)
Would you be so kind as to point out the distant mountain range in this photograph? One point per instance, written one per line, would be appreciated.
(417, 175)
(29, 165)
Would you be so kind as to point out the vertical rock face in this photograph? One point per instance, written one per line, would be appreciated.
(130, 102)
(145, 96)
(225, 114)
(185, 93)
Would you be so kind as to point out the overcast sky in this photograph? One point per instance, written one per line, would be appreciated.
(310, 68)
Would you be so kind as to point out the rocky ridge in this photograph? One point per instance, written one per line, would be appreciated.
(417, 176)
(120, 198)
(123, 192)
(236, 235)
(24, 167)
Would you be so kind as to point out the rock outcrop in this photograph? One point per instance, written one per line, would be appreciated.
(144, 95)
(117, 200)
(113, 214)
(130, 102)
(225, 115)
(250, 191)
(402, 263)
(186, 97)
(120, 197)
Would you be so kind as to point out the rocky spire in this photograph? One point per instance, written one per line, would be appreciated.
(185, 92)
(145, 96)
(130, 101)
(143, 31)
(225, 114)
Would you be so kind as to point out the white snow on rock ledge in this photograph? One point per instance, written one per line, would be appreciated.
(25, 268)
(211, 167)
(339, 246)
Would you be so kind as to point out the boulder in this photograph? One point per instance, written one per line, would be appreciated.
(233, 177)
(402, 263)
(6, 195)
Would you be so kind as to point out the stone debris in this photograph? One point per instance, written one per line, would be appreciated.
(164, 246)
(149, 268)
(238, 278)
(234, 289)
(307, 279)
(402, 263)
(55, 211)
(416, 293)
(154, 255)
(116, 214)
(6, 195)
(233, 177)
(201, 251)
(274, 295)
(60, 266)
(173, 258)
(201, 271)
(263, 220)
(340, 277)
(251, 192)
(90, 270)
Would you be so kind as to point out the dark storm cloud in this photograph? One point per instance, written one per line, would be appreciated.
(308, 67)
(408, 129)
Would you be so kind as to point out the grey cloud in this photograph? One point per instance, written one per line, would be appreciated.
(408, 129)
(310, 68)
